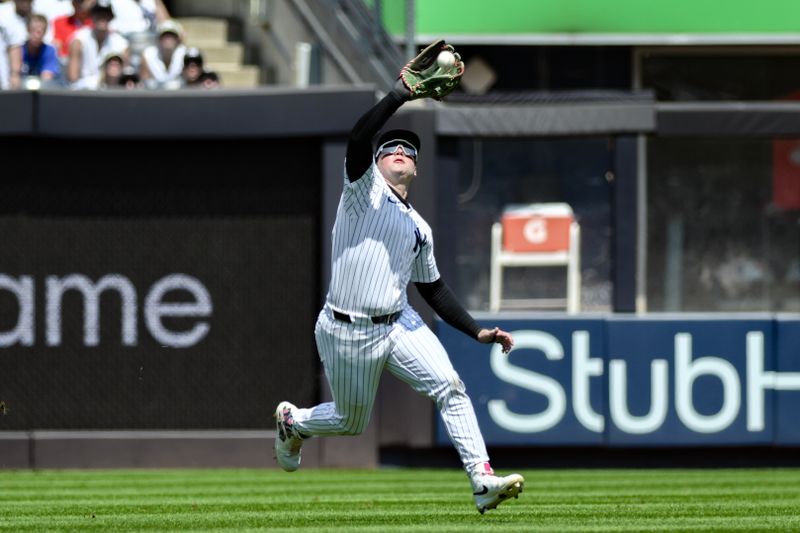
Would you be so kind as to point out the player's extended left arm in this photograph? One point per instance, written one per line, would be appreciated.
(442, 300)
(359, 144)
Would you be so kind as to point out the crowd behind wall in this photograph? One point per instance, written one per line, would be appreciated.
(96, 44)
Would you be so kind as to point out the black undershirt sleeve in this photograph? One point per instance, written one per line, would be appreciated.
(359, 144)
(442, 300)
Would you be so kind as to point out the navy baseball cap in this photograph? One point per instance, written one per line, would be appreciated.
(193, 55)
(103, 7)
(406, 136)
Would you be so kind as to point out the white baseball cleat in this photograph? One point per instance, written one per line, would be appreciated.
(490, 490)
(287, 442)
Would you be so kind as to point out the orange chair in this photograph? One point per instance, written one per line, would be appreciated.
(536, 235)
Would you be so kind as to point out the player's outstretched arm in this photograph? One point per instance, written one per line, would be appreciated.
(503, 338)
(359, 144)
(442, 300)
(434, 73)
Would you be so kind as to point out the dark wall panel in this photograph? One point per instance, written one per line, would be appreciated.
(218, 177)
(213, 350)
(16, 113)
(728, 119)
(232, 223)
(199, 114)
(625, 222)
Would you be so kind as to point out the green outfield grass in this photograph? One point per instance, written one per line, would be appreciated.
(397, 500)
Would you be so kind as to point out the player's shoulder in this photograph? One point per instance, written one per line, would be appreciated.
(371, 178)
(421, 223)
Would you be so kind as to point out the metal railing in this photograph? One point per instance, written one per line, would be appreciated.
(352, 36)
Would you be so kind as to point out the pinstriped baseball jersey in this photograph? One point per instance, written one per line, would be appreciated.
(379, 245)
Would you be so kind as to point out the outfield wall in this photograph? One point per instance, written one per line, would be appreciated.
(634, 381)
(152, 314)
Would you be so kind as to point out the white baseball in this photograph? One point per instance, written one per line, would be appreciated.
(446, 59)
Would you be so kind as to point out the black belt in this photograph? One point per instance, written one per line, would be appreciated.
(391, 318)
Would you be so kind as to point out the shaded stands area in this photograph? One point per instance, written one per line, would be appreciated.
(208, 44)
(140, 46)
(304, 43)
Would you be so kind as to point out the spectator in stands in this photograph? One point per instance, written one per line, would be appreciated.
(39, 60)
(162, 63)
(12, 37)
(137, 21)
(192, 66)
(91, 45)
(111, 72)
(23, 10)
(194, 75)
(138, 16)
(130, 78)
(64, 27)
(52, 9)
(110, 75)
(209, 80)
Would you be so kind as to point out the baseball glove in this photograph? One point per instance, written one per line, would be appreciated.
(424, 78)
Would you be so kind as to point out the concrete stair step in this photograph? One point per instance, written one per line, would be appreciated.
(202, 43)
(232, 53)
(231, 67)
(206, 29)
(227, 67)
(210, 35)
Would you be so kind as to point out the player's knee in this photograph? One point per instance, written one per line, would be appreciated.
(353, 429)
(449, 388)
(353, 425)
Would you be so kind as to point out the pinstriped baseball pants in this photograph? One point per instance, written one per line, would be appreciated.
(354, 356)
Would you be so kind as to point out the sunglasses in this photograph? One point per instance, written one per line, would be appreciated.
(390, 147)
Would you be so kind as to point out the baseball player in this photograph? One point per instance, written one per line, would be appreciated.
(380, 243)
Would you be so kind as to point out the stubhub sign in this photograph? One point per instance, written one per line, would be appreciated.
(634, 380)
